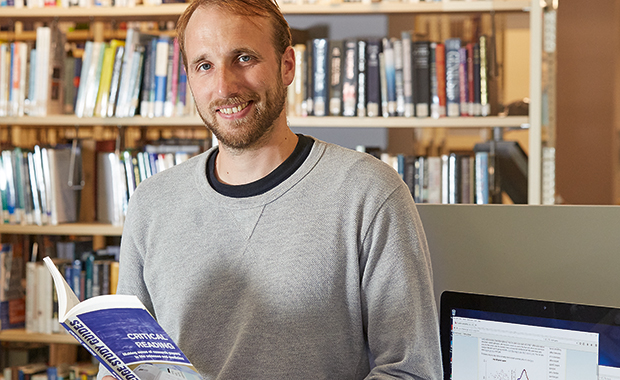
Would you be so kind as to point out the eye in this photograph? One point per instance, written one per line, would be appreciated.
(245, 58)
(204, 67)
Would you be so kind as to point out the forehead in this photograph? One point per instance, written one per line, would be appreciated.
(212, 21)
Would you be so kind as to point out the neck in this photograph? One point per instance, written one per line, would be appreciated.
(234, 167)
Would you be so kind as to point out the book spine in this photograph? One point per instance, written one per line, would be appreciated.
(452, 77)
(482, 177)
(149, 78)
(114, 82)
(172, 77)
(470, 79)
(463, 83)
(390, 76)
(477, 106)
(308, 104)
(349, 85)
(335, 82)
(485, 106)
(408, 75)
(161, 73)
(399, 84)
(421, 55)
(320, 50)
(373, 78)
(362, 92)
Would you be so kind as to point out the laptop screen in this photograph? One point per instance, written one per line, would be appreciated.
(500, 338)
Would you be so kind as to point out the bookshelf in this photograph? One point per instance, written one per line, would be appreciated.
(533, 122)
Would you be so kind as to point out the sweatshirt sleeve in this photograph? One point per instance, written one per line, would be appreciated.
(399, 308)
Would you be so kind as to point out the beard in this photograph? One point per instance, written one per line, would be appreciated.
(246, 133)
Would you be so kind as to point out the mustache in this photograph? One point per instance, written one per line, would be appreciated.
(232, 101)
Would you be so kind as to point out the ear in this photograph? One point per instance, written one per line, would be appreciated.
(288, 66)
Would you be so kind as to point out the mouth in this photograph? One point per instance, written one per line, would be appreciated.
(231, 110)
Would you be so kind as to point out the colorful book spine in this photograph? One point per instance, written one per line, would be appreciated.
(349, 85)
(320, 93)
(362, 92)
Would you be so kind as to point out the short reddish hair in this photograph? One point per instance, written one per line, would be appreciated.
(263, 8)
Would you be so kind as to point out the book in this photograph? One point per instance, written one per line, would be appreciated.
(399, 84)
(463, 82)
(12, 291)
(407, 74)
(373, 78)
(439, 109)
(115, 81)
(349, 81)
(362, 93)
(161, 73)
(485, 105)
(421, 62)
(137, 348)
(452, 46)
(390, 76)
(336, 49)
(320, 81)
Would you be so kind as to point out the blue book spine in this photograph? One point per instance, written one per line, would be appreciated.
(76, 279)
(390, 76)
(161, 74)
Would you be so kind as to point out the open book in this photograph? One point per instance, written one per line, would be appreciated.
(121, 334)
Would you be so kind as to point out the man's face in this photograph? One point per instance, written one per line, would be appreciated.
(235, 75)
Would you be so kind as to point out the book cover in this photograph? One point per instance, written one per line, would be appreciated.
(136, 83)
(349, 85)
(373, 78)
(107, 70)
(336, 49)
(453, 100)
(320, 82)
(422, 93)
(137, 348)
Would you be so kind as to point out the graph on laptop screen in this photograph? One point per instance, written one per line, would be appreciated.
(499, 338)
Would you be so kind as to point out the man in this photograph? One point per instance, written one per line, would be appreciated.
(275, 255)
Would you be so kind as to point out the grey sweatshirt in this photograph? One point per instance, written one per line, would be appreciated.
(326, 276)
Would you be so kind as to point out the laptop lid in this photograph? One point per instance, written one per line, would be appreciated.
(486, 337)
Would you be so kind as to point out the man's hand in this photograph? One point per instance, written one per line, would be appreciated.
(108, 377)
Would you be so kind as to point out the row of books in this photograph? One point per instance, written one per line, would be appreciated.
(43, 371)
(448, 178)
(142, 75)
(89, 275)
(118, 175)
(81, 3)
(35, 185)
(131, 3)
(391, 77)
(31, 76)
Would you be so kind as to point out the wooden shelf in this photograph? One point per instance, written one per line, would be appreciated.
(321, 122)
(20, 335)
(80, 229)
(172, 11)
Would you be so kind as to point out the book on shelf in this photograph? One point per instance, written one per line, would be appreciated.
(349, 81)
(136, 348)
(320, 48)
(12, 291)
(362, 75)
(336, 49)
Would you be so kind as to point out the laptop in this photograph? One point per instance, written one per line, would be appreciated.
(485, 337)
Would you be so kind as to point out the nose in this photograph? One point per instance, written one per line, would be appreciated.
(227, 82)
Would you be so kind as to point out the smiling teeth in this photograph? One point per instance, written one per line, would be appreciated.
(232, 110)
